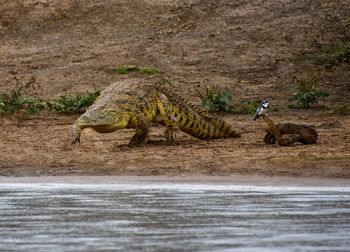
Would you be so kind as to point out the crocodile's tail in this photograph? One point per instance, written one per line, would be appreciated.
(213, 127)
(203, 126)
(196, 123)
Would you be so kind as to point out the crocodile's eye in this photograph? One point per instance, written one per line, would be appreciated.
(111, 113)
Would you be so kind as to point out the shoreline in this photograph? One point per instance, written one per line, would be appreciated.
(249, 180)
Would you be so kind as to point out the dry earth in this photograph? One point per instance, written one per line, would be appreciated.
(259, 48)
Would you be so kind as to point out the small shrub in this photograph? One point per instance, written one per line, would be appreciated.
(11, 102)
(71, 104)
(127, 69)
(306, 94)
(215, 99)
(34, 105)
(14, 102)
(249, 107)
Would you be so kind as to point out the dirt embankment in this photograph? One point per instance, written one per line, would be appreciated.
(261, 49)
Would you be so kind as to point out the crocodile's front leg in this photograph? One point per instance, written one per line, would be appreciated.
(172, 129)
(139, 122)
(76, 130)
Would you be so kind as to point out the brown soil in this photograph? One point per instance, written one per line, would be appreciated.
(259, 48)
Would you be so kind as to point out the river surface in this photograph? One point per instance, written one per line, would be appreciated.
(163, 216)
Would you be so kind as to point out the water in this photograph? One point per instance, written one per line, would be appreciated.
(173, 217)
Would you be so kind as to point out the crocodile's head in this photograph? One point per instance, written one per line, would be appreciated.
(101, 120)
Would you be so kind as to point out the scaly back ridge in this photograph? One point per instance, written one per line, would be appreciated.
(196, 122)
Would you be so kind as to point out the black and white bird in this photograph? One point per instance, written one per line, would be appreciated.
(261, 110)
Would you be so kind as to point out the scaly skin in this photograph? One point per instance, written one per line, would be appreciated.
(135, 103)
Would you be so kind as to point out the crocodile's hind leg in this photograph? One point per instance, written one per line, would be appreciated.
(172, 129)
(139, 122)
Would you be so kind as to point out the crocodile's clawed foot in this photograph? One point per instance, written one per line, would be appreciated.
(133, 143)
(171, 136)
(140, 138)
(76, 132)
(76, 139)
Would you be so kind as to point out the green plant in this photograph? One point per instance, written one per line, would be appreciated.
(249, 107)
(342, 52)
(13, 102)
(34, 105)
(215, 99)
(306, 94)
(127, 69)
(148, 70)
(71, 104)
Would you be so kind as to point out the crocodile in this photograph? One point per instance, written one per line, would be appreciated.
(135, 103)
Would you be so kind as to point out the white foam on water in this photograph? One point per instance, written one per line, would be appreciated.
(159, 185)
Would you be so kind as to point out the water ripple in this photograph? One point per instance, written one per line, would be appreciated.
(173, 217)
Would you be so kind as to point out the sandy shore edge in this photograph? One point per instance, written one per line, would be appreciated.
(229, 180)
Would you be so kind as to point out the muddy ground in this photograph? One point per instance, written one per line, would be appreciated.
(259, 48)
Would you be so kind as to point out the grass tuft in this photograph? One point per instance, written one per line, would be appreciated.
(148, 70)
(127, 69)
